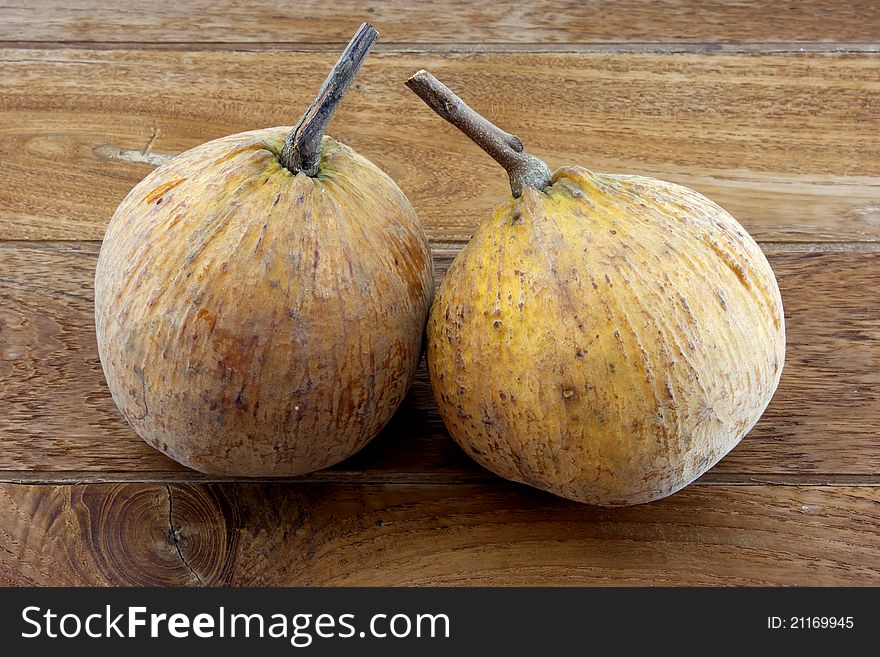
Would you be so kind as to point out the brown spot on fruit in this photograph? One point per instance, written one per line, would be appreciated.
(162, 189)
(728, 259)
(209, 317)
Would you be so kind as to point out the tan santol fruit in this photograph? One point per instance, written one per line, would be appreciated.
(607, 338)
(260, 299)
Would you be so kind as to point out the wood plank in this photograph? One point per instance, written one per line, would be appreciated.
(786, 142)
(402, 21)
(317, 534)
(58, 422)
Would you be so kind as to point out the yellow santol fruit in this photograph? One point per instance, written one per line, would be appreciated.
(260, 299)
(607, 338)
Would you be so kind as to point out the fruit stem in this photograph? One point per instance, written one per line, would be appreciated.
(523, 169)
(302, 148)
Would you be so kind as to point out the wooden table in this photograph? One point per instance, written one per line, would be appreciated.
(772, 112)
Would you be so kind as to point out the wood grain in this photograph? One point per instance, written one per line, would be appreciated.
(786, 142)
(715, 95)
(316, 534)
(460, 21)
(59, 422)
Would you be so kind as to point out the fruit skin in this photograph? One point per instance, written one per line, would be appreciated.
(255, 323)
(607, 340)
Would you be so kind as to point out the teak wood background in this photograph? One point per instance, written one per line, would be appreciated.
(773, 111)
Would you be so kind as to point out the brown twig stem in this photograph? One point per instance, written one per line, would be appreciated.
(523, 169)
(302, 148)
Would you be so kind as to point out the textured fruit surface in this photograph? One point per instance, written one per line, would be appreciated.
(607, 340)
(255, 322)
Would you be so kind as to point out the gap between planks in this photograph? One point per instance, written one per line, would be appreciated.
(768, 48)
(26, 477)
(448, 246)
